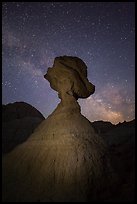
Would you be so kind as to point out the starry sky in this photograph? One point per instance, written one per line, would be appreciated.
(102, 34)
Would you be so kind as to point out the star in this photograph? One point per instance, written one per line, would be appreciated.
(102, 34)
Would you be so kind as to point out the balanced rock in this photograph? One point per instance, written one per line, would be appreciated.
(64, 160)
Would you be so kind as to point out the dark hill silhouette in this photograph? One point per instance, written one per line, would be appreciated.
(19, 110)
(121, 143)
(19, 120)
(102, 126)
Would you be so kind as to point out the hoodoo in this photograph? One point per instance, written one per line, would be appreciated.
(64, 160)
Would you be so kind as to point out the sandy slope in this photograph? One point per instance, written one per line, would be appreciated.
(63, 160)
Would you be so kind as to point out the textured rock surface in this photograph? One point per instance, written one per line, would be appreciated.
(19, 121)
(68, 76)
(64, 159)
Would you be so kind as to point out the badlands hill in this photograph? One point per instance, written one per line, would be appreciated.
(120, 139)
(19, 120)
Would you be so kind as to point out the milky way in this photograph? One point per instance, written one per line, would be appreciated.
(101, 34)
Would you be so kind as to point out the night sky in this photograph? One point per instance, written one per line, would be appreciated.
(101, 34)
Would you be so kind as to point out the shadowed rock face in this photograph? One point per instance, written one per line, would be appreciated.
(19, 120)
(64, 160)
(121, 144)
(19, 110)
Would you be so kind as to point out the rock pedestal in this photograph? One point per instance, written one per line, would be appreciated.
(64, 160)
